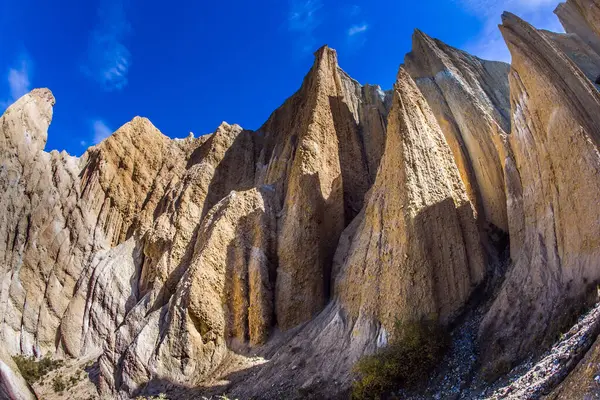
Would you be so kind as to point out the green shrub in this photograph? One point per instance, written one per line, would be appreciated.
(161, 396)
(58, 384)
(33, 370)
(414, 350)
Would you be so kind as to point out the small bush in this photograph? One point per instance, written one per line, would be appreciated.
(58, 384)
(414, 351)
(161, 396)
(33, 370)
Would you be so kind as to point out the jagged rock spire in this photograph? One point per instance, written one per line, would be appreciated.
(553, 188)
(469, 98)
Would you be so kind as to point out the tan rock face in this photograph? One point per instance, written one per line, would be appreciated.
(469, 98)
(416, 250)
(48, 236)
(579, 52)
(553, 188)
(350, 209)
(582, 17)
(138, 257)
(224, 297)
(320, 150)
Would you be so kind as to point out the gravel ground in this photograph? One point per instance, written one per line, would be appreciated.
(555, 365)
(455, 378)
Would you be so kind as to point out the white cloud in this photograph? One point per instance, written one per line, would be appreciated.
(490, 44)
(108, 59)
(303, 19)
(101, 131)
(356, 29)
(18, 79)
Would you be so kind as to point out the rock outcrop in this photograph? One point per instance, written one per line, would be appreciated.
(412, 253)
(12, 384)
(470, 100)
(276, 259)
(579, 52)
(47, 235)
(582, 17)
(224, 297)
(415, 251)
(319, 156)
(553, 189)
(118, 238)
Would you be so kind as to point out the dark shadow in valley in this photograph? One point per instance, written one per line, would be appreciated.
(353, 160)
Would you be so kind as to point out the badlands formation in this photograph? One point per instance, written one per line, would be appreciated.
(266, 264)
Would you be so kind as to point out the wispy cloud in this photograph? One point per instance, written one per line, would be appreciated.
(100, 130)
(18, 78)
(108, 59)
(353, 10)
(356, 29)
(490, 44)
(303, 20)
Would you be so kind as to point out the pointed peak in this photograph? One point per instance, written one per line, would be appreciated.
(417, 33)
(402, 77)
(139, 128)
(509, 19)
(560, 7)
(325, 49)
(325, 52)
(227, 128)
(139, 123)
(32, 114)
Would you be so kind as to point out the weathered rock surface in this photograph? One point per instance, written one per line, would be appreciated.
(415, 252)
(12, 384)
(470, 100)
(292, 251)
(579, 52)
(582, 17)
(118, 239)
(224, 297)
(320, 157)
(553, 190)
(412, 253)
(47, 235)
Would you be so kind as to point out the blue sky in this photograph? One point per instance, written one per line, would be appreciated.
(188, 65)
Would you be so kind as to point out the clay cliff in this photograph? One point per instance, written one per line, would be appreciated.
(469, 98)
(553, 227)
(267, 263)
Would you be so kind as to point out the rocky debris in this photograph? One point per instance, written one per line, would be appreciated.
(452, 378)
(470, 100)
(553, 224)
(545, 374)
(584, 381)
(75, 378)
